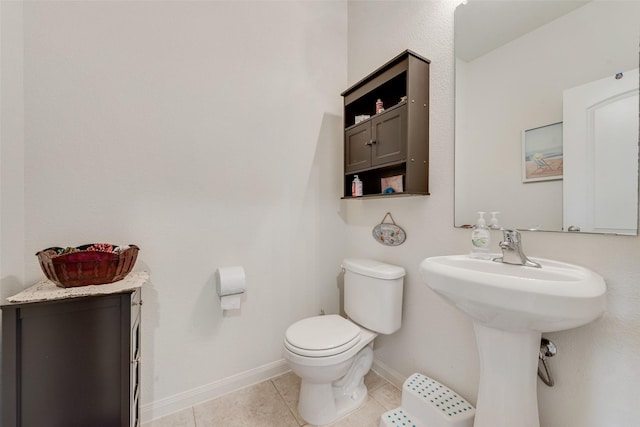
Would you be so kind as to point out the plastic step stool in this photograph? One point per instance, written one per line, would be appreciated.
(427, 403)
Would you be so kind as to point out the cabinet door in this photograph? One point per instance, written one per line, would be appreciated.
(357, 151)
(389, 132)
(70, 363)
(67, 362)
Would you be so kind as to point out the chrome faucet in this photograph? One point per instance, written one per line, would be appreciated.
(512, 253)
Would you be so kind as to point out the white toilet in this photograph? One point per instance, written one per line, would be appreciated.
(332, 354)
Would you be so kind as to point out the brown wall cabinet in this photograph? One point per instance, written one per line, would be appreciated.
(395, 141)
(72, 362)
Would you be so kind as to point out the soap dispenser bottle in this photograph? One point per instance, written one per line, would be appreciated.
(480, 239)
(356, 187)
(493, 222)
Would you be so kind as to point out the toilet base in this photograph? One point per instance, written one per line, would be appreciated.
(328, 408)
(323, 403)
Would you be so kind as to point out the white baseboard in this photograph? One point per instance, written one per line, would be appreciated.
(189, 398)
(391, 375)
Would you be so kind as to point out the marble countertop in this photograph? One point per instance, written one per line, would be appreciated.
(46, 290)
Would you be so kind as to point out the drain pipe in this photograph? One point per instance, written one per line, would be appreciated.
(547, 349)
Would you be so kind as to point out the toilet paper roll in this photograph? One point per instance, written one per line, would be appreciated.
(230, 281)
(230, 302)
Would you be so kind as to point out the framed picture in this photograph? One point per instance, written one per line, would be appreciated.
(542, 158)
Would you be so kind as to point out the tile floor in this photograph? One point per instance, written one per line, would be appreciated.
(272, 403)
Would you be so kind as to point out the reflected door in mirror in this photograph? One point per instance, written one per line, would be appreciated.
(601, 148)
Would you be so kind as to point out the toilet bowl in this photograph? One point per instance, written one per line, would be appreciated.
(332, 354)
(346, 357)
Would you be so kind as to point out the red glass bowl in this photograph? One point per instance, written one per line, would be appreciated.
(93, 264)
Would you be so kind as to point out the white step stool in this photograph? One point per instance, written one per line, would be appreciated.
(427, 403)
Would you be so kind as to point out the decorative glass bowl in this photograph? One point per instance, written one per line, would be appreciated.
(92, 264)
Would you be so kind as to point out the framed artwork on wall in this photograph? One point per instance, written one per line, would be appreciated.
(542, 156)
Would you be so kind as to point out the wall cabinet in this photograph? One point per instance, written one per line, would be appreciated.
(394, 142)
(377, 141)
(72, 362)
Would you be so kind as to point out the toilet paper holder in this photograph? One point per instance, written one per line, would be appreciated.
(230, 285)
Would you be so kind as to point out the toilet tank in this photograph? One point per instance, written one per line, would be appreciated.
(373, 294)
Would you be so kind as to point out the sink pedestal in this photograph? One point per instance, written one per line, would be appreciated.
(507, 395)
(510, 306)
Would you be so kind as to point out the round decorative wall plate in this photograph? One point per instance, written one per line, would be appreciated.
(389, 234)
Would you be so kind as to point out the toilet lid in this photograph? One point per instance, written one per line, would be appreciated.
(322, 336)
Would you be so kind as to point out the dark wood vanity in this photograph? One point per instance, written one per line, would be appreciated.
(72, 361)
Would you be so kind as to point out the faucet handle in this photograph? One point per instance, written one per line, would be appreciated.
(512, 252)
(511, 236)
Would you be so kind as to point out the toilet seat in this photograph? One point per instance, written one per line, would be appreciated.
(322, 336)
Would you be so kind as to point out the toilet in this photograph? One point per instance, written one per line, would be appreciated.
(332, 354)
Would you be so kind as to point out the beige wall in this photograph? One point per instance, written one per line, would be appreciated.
(11, 149)
(209, 134)
(597, 368)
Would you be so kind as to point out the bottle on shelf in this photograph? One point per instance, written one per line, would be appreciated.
(356, 187)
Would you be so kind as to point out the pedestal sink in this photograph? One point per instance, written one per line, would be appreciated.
(511, 306)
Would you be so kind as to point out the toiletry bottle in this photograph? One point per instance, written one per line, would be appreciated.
(480, 239)
(356, 187)
(493, 222)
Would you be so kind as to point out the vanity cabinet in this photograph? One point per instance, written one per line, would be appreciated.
(394, 142)
(72, 362)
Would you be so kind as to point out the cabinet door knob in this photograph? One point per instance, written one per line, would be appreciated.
(136, 303)
(369, 143)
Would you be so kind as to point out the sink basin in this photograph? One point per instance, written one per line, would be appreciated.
(555, 297)
(511, 305)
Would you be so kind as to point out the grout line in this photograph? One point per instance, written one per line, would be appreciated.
(193, 414)
(271, 380)
(284, 401)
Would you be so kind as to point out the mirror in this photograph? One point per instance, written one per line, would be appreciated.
(536, 136)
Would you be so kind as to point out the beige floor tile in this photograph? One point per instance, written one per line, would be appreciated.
(274, 404)
(256, 406)
(368, 415)
(288, 385)
(179, 419)
(373, 381)
(388, 396)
